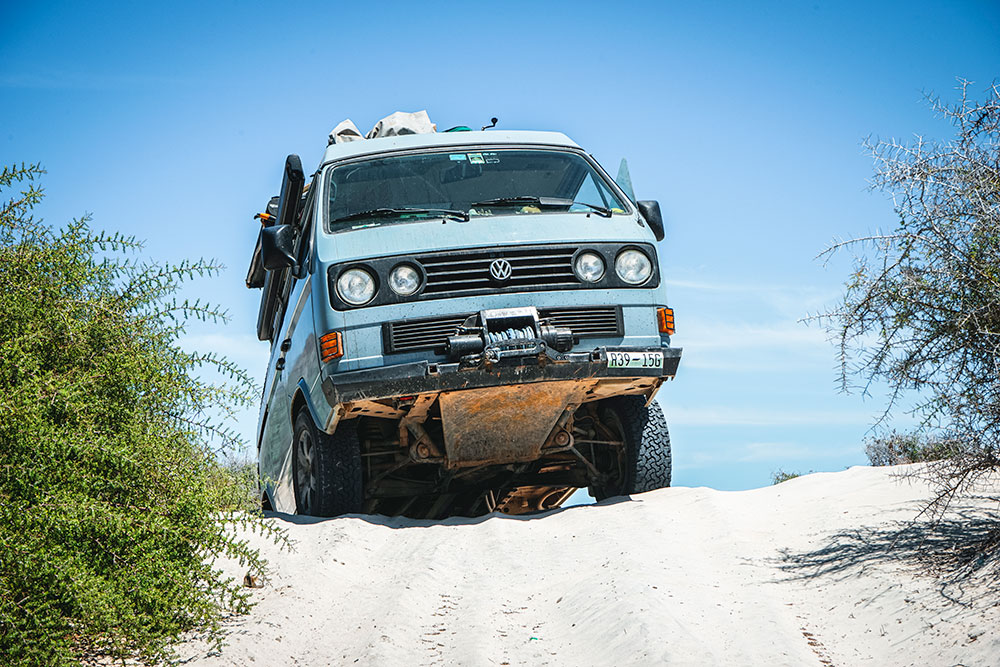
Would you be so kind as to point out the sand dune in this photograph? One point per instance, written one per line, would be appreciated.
(682, 576)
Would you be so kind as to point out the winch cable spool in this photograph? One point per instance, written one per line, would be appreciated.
(493, 337)
(560, 339)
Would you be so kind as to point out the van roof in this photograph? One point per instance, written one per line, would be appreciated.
(406, 141)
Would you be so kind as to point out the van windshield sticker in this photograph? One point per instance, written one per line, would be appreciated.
(476, 158)
(491, 158)
(457, 157)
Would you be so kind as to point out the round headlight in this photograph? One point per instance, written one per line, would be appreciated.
(356, 286)
(404, 280)
(589, 267)
(633, 267)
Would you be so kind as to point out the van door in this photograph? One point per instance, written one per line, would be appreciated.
(292, 323)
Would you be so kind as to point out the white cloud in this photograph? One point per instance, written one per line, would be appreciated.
(724, 287)
(737, 334)
(762, 290)
(88, 80)
(726, 416)
(761, 452)
(740, 346)
(789, 301)
(769, 451)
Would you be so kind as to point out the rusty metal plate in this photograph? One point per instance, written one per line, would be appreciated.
(502, 424)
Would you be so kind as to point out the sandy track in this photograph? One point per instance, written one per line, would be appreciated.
(680, 576)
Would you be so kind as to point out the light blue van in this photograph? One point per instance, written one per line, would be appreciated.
(460, 323)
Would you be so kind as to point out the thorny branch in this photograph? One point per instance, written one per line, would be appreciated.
(921, 309)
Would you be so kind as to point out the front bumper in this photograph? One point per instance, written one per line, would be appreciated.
(545, 366)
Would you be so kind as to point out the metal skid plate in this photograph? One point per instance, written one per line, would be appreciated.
(502, 424)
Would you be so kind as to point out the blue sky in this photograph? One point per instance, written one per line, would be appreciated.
(171, 122)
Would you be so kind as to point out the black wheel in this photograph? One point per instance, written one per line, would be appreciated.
(644, 463)
(327, 469)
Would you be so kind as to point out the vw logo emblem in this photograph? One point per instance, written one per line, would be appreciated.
(500, 269)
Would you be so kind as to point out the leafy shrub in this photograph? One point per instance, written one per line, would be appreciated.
(779, 476)
(921, 309)
(899, 448)
(238, 482)
(110, 493)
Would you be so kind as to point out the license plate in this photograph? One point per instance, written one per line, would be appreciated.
(635, 360)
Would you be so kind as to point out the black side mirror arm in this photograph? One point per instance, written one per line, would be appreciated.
(291, 191)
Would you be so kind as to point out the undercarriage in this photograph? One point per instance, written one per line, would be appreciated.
(511, 449)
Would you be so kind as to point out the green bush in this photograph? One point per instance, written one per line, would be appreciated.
(898, 448)
(111, 499)
(237, 478)
(779, 476)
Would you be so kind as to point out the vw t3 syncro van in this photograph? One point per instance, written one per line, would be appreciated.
(460, 322)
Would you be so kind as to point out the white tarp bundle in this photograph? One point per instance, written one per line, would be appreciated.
(346, 131)
(401, 122)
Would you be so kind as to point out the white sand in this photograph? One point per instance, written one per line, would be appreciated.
(682, 576)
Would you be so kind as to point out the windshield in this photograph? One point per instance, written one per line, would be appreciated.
(459, 185)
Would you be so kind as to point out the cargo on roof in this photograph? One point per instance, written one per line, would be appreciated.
(402, 131)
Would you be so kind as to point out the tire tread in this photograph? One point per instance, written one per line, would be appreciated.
(338, 468)
(645, 431)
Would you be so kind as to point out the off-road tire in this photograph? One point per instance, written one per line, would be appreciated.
(334, 468)
(647, 442)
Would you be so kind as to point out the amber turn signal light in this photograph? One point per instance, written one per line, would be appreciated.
(331, 346)
(665, 320)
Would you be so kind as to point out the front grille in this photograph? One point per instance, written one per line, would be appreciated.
(598, 322)
(431, 334)
(411, 335)
(463, 273)
(457, 274)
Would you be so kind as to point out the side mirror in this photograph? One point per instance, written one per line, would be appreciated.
(291, 191)
(277, 246)
(650, 211)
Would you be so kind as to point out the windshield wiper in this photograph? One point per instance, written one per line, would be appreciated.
(546, 202)
(599, 210)
(393, 212)
(525, 201)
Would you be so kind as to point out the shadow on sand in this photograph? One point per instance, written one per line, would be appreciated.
(961, 551)
(404, 522)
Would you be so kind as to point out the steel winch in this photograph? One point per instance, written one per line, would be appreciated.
(506, 333)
